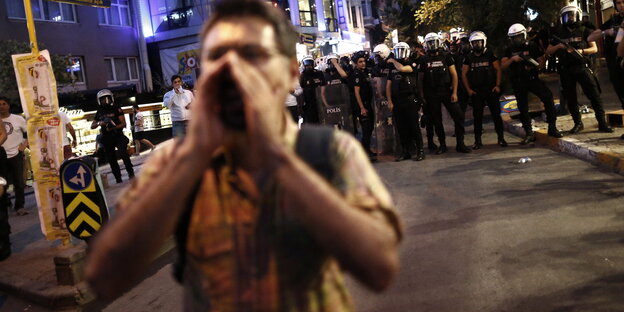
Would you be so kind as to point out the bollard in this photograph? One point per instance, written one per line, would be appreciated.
(69, 265)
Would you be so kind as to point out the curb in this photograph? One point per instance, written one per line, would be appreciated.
(570, 146)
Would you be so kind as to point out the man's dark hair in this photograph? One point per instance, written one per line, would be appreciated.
(174, 77)
(135, 106)
(4, 98)
(285, 35)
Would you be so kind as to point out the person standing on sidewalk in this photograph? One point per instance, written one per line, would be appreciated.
(310, 79)
(14, 145)
(110, 118)
(137, 135)
(574, 66)
(439, 83)
(363, 91)
(482, 77)
(524, 58)
(67, 127)
(261, 230)
(178, 101)
(5, 227)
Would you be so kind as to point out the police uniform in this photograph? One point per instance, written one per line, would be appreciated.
(114, 139)
(575, 69)
(462, 94)
(437, 88)
(309, 81)
(616, 73)
(524, 78)
(482, 80)
(362, 79)
(405, 111)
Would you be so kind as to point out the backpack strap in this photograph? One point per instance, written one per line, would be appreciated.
(313, 145)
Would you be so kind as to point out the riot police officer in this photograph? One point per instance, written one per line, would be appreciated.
(439, 84)
(524, 58)
(570, 45)
(403, 100)
(609, 30)
(311, 78)
(460, 48)
(381, 52)
(482, 77)
(110, 118)
(364, 97)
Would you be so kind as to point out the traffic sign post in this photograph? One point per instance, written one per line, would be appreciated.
(83, 199)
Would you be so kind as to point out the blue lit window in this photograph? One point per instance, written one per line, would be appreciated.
(43, 10)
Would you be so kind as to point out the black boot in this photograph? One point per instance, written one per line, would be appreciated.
(578, 127)
(403, 157)
(603, 126)
(420, 155)
(530, 137)
(477, 144)
(501, 140)
(553, 132)
(441, 149)
(432, 146)
(462, 148)
(5, 250)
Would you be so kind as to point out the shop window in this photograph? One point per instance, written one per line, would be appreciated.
(117, 15)
(122, 69)
(43, 10)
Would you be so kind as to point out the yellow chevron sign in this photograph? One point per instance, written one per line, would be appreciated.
(82, 223)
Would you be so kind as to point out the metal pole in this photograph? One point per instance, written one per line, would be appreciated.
(30, 22)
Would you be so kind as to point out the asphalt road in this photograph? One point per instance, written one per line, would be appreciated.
(482, 233)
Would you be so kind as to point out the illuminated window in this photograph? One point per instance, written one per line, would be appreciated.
(121, 68)
(117, 15)
(307, 13)
(43, 10)
(75, 69)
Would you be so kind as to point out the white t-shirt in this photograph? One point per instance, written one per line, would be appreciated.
(15, 126)
(138, 122)
(64, 121)
(177, 103)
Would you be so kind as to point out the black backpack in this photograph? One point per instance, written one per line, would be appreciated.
(312, 145)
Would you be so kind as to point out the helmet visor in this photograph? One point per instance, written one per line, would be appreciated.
(518, 39)
(477, 45)
(432, 45)
(106, 100)
(570, 17)
(401, 52)
(308, 63)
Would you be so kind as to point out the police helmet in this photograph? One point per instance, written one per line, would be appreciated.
(332, 56)
(401, 50)
(478, 41)
(517, 34)
(382, 51)
(570, 15)
(105, 97)
(308, 60)
(454, 34)
(433, 42)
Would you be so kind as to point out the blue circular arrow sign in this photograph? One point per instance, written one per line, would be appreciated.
(77, 176)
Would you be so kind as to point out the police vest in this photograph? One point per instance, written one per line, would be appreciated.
(436, 71)
(404, 83)
(332, 77)
(481, 73)
(574, 38)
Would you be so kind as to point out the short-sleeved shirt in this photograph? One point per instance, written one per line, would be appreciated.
(243, 253)
(179, 103)
(610, 47)
(332, 77)
(481, 72)
(361, 78)
(522, 71)
(138, 122)
(403, 83)
(110, 116)
(435, 70)
(15, 126)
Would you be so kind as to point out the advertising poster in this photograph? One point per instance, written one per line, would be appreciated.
(183, 61)
(37, 89)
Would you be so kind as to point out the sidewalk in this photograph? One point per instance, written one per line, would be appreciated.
(602, 149)
(29, 273)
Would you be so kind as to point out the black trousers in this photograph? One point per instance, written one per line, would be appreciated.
(583, 76)
(368, 125)
(405, 116)
(5, 227)
(15, 176)
(435, 100)
(486, 97)
(539, 88)
(310, 113)
(294, 112)
(119, 142)
(616, 75)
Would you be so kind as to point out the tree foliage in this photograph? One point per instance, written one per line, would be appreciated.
(399, 14)
(8, 82)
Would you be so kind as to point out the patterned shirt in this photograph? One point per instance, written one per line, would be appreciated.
(244, 254)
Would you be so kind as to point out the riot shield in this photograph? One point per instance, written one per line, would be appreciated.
(334, 106)
(383, 140)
